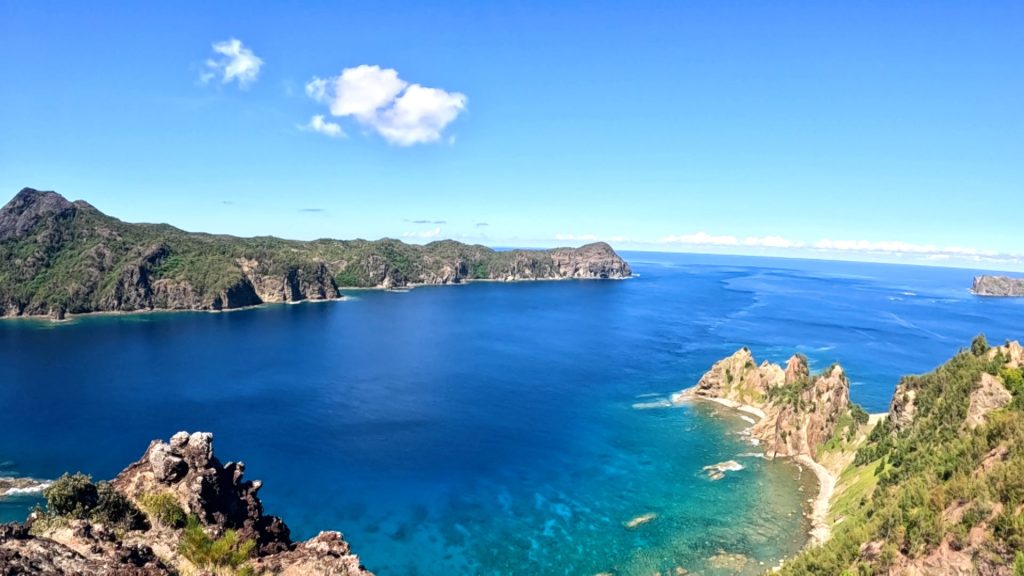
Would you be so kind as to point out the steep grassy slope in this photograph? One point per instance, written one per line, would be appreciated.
(938, 487)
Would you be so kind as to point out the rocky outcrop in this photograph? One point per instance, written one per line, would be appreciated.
(903, 406)
(998, 286)
(59, 257)
(799, 411)
(989, 395)
(184, 473)
(802, 423)
(11, 486)
(738, 378)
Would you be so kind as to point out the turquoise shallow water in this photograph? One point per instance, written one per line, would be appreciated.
(491, 428)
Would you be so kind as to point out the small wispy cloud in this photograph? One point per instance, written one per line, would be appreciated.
(312, 210)
(325, 127)
(424, 234)
(892, 248)
(377, 98)
(428, 221)
(705, 239)
(481, 224)
(235, 63)
(227, 202)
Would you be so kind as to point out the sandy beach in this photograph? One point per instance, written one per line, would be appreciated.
(818, 516)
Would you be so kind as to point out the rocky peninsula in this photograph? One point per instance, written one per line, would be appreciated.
(178, 510)
(796, 415)
(998, 286)
(936, 486)
(59, 257)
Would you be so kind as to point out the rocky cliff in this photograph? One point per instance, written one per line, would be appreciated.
(798, 411)
(998, 286)
(59, 257)
(178, 510)
(937, 488)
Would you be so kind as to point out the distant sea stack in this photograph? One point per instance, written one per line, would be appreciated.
(998, 286)
(59, 257)
(178, 510)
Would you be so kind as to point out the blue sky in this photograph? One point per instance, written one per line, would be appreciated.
(865, 130)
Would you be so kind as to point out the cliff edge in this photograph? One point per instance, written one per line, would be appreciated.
(178, 510)
(998, 286)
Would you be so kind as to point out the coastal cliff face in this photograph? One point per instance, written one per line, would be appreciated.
(937, 488)
(800, 411)
(998, 286)
(59, 257)
(177, 510)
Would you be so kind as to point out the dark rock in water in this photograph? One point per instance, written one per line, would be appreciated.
(185, 473)
(998, 286)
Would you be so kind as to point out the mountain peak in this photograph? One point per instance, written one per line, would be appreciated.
(21, 215)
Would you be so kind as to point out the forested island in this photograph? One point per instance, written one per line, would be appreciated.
(59, 257)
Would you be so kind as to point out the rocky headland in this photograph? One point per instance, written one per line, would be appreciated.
(59, 257)
(998, 286)
(795, 415)
(933, 487)
(177, 511)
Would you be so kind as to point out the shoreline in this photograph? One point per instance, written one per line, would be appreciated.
(400, 289)
(817, 515)
(70, 317)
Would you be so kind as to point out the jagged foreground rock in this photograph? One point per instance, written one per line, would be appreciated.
(59, 257)
(186, 471)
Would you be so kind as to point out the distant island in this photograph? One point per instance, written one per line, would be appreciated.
(998, 286)
(59, 257)
(936, 486)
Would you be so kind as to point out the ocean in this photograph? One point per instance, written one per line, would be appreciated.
(493, 428)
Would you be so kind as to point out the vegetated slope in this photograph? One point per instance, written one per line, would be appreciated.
(60, 257)
(938, 487)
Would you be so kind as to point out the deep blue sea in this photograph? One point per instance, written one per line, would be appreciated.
(492, 428)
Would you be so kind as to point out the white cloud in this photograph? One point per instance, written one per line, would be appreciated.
(403, 113)
(327, 128)
(896, 247)
(893, 248)
(433, 233)
(236, 64)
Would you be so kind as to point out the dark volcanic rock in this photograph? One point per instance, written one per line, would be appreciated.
(203, 486)
(186, 470)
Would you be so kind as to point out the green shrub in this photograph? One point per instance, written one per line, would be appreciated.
(113, 509)
(979, 346)
(1018, 564)
(228, 551)
(72, 495)
(163, 508)
(76, 496)
(860, 416)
